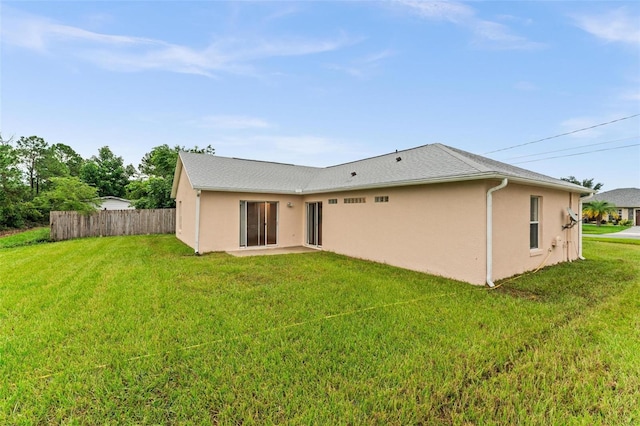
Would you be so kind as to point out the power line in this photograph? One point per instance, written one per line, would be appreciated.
(563, 134)
(579, 153)
(575, 147)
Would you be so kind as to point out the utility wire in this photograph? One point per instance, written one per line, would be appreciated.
(563, 134)
(575, 147)
(579, 153)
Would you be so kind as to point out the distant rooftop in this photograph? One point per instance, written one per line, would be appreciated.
(622, 197)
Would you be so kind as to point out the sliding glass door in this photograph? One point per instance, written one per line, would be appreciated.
(258, 223)
(314, 224)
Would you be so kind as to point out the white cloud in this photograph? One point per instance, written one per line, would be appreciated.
(361, 67)
(619, 25)
(127, 53)
(441, 10)
(487, 34)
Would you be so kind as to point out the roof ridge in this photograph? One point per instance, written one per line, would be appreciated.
(247, 159)
(377, 156)
(458, 154)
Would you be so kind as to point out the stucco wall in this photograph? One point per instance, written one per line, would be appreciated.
(185, 211)
(439, 229)
(220, 219)
(431, 228)
(511, 213)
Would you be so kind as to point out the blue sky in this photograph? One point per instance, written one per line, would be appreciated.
(321, 83)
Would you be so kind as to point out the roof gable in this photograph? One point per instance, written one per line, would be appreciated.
(421, 165)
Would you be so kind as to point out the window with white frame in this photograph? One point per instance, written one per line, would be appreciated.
(534, 223)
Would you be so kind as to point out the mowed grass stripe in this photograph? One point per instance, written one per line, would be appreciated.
(270, 330)
(391, 351)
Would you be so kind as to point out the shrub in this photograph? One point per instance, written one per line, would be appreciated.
(626, 222)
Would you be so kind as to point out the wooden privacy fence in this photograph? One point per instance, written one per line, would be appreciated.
(103, 223)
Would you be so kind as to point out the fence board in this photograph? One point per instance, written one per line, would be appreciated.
(103, 223)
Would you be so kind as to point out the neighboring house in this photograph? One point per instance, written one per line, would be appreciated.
(626, 200)
(115, 203)
(432, 208)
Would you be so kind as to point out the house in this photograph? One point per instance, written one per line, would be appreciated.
(433, 208)
(115, 203)
(626, 200)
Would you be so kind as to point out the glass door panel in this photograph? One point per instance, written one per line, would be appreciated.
(253, 224)
(314, 224)
(272, 223)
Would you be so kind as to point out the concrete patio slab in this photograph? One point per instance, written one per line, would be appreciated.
(269, 251)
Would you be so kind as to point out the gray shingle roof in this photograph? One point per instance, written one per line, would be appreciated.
(623, 197)
(212, 172)
(425, 164)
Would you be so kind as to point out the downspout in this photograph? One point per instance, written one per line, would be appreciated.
(197, 242)
(504, 183)
(587, 197)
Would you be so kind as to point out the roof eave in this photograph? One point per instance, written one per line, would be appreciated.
(176, 177)
(248, 190)
(413, 182)
(458, 178)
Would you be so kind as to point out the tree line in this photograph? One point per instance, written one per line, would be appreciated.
(37, 177)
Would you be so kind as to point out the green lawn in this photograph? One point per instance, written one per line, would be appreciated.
(33, 236)
(588, 228)
(139, 330)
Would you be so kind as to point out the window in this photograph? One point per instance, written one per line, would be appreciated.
(354, 200)
(382, 199)
(333, 201)
(534, 223)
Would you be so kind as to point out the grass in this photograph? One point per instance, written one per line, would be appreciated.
(139, 330)
(588, 228)
(33, 236)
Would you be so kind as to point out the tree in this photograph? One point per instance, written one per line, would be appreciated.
(31, 150)
(160, 161)
(598, 209)
(13, 212)
(67, 156)
(107, 173)
(153, 189)
(587, 183)
(68, 194)
(151, 193)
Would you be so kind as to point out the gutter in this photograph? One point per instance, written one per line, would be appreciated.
(585, 198)
(197, 241)
(490, 192)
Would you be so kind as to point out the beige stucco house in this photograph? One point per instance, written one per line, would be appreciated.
(626, 200)
(433, 208)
